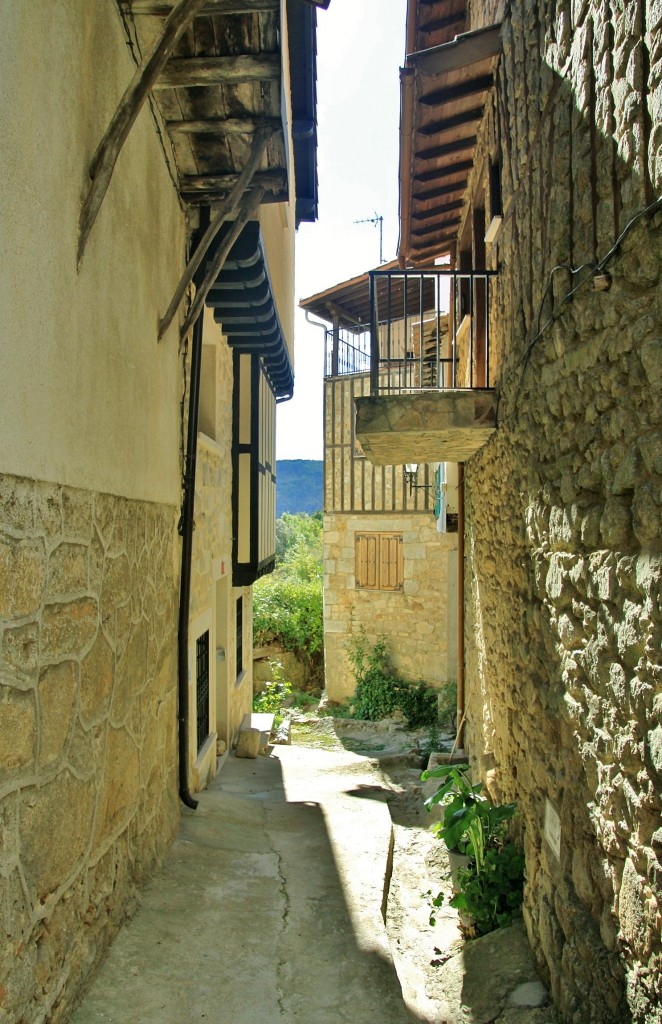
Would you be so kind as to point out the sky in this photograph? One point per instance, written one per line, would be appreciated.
(360, 47)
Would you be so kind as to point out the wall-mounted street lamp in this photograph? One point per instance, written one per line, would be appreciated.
(411, 476)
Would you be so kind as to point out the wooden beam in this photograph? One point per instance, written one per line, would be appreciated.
(191, 71)
(441, 245)
(435, 228)
(105, 158)
(434, 152)
(449, 123)
(444, 172)
(446, 22)
(228, 125)
(227, 210)
(162, 8)
(221, 183)
(436, 193)
(469, 48)
(436, 211)
(340, 314)
(249, 205)
(472, 87)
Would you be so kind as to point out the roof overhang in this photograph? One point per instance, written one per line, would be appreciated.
(444, 87)
(243, 302)
(302, 37)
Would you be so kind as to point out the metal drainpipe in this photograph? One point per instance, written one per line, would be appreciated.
(459, 742)
(186, 527)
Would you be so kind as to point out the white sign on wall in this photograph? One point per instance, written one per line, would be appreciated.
(552, 830)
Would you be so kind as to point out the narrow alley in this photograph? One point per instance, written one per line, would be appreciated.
(270, 908)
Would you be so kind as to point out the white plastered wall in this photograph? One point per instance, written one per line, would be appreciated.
(89, 398)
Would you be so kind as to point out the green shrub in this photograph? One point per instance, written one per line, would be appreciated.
(380, 691)
(287, 605)
(270, 699)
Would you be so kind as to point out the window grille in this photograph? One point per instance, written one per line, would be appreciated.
(240, 635)
(202, 687)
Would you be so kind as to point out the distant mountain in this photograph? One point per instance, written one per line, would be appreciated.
(299, 486)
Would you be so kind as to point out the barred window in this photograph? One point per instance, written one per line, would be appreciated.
(379, 561)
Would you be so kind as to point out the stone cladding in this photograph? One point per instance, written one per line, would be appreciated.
(419, 622)
(564, 558)
(88, 713)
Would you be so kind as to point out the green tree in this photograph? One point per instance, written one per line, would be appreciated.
(287, 605)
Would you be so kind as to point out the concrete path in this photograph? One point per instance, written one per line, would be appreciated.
(271, 909)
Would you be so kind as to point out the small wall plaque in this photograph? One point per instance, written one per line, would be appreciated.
(552, 830)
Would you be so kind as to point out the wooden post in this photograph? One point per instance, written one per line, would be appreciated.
(105, 158)
(229, 207)
(249, 205)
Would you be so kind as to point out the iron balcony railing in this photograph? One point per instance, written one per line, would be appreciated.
(429, 330)
(347, 351)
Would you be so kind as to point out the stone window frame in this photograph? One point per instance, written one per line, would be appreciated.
(379, 560)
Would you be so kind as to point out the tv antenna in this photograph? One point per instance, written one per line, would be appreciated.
(377, 219)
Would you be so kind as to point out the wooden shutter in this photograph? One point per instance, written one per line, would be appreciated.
(379, 562)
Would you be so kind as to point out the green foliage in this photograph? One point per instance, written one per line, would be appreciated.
(287, 605)
(379, 691)
(270, 699)
(492, 896)
(447, 704)
(490, 886)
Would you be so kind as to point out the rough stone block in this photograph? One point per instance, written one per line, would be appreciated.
(248, 743)
(68, 628)
(23, 571)
(67, 571)
(18, 729)
(57, 689)
(55, 826)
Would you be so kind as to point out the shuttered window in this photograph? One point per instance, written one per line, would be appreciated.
(379, 561)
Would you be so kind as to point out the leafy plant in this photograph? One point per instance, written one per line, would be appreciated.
(287, 605)
(270, 699)
(380, 691)
(490, 885)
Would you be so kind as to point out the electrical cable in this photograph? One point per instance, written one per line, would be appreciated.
(595, 268)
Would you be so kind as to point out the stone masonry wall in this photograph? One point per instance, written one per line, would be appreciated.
(564, 559)
(419, 623)
(88, 712)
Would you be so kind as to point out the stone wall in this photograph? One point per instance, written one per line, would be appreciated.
(564, 561)
(420, 622)
(88, 712)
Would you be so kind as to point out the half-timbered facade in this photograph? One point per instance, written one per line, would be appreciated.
(390, 540)
(157, 157)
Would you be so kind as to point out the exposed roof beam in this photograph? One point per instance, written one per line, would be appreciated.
(447, 124)
(472, 87)
(440, 23)
(444, 172)
(229, 125)
(336, 310)
(443, 190)
(144, 77)
(441, 245)
(162, 7)
(436, 211)
(249, 204)
(190, 71)
(229, 207)
(433, 152)
(435, 228)
(468, 48)
(274, 178)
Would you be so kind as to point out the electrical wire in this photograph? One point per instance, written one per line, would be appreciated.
(595, 268)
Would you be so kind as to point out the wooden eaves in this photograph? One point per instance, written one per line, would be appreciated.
(444, 88)
(214, 71)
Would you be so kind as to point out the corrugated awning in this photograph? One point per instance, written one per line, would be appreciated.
(444, 89)
(243, 302)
